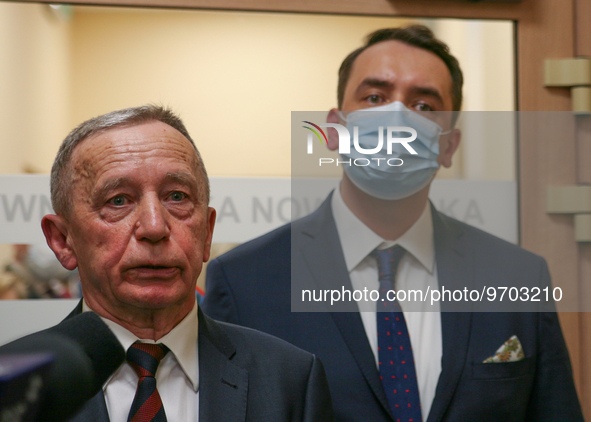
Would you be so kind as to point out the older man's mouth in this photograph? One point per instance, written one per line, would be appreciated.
(154, 271)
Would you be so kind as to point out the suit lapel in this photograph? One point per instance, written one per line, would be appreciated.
(453, 271)
(318, 244)
(223, 386)
(353, 332)
(94, 410)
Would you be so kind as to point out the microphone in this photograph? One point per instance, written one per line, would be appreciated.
(22, 382)
(85, 353)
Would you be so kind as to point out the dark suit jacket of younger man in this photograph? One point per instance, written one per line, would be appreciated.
(250, 286)
(245, 375)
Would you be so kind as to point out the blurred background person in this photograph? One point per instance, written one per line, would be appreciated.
(11, 287)
(41, 273)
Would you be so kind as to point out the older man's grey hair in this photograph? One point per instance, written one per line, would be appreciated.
(62, 171)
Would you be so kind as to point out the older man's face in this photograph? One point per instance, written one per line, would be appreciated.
(140, 228)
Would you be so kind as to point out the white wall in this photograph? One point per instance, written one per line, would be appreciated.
(234, 77)
(34, 87)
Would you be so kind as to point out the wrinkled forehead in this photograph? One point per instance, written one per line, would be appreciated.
(152, 141)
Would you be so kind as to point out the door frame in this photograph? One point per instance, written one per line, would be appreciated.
(544, 29)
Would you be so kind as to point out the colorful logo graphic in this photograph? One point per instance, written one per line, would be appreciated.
(315, 132)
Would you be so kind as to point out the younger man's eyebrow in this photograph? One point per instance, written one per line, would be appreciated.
(427, 91)
(374, 83)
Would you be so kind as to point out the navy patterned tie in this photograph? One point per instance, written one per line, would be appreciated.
(144, 358)
(397, 367)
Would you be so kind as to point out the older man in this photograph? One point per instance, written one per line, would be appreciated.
(131, 196)
(379, 231)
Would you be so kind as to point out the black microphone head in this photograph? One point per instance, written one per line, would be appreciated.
(70, 380)
(85, 352)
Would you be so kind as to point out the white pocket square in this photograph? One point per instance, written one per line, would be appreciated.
(510, 351)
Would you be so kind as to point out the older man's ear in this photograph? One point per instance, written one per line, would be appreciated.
(55, 229)
(211, 213)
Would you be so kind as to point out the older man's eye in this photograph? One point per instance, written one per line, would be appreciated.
(177, 196)
(118, 200)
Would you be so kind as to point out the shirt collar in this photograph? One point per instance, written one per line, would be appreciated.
(181, 340)
(358, 240)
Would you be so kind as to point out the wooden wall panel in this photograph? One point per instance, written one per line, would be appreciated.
(423, 8)
(583, 48)
(547, 33)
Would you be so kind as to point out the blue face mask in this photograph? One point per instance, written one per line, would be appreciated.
(406, 173)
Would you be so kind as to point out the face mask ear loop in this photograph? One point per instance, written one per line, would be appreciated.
(342, 116)
(446, 132)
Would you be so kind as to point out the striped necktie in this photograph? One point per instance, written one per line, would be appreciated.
(396, 362)
(144, 358)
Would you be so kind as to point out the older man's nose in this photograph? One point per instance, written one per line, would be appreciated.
(153, 221)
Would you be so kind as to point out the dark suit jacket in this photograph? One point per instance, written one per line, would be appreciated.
(250, 285)
(245, 375)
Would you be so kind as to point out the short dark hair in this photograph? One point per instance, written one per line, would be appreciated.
(417, 36)
(61, 171)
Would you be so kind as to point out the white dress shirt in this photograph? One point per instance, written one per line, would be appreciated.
(417, 270)
(177, 377)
